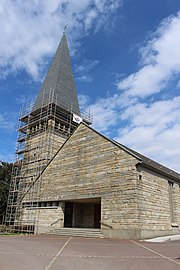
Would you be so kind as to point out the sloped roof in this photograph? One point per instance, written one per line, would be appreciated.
(59, 85)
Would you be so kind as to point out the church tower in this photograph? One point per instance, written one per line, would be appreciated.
(43, 128)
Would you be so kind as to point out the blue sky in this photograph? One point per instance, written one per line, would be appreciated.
(126, 61)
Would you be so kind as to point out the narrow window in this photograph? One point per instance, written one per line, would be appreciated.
(171, 201)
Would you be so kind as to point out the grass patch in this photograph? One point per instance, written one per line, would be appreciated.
(12, 234)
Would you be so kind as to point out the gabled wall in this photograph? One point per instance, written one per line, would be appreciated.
(90, 166)
(134, 203)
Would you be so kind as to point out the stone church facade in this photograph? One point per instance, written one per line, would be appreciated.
(96, 183)
(84, 179)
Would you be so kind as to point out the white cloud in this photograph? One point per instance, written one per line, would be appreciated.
(83, 101)
(85, 78)
(7, 121)
(150, 128)
(86, 65)
(157, 117)
(154, 126)
(104, 118)
(31, 29)
(105, 114)
(154, 130)
(159, 113)
(178, 85)
(160, 61)
(5, 155)
(82, 70)
(24, 99)
(150, 125)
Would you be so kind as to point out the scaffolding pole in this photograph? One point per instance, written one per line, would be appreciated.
(40, 135)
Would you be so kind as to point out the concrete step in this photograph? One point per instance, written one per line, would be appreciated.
(81, 232)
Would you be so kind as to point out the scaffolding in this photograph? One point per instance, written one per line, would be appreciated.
(41, 133)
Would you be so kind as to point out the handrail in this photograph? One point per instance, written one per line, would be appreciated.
(105, 224)
(56, 221)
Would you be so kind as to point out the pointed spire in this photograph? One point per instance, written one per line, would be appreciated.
(59, 85)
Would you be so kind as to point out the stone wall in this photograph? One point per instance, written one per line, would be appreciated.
(154, 204)
(90, 166)
(176, 202)
(45, 218)
(134, 203)
(40, 148)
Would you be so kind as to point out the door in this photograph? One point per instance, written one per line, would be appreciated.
(97, 215)
(68, 215)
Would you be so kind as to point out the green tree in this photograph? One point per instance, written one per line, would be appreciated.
(5, 176)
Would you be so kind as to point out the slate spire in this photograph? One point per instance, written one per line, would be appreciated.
(59, 85)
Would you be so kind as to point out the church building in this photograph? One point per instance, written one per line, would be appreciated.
(69, 179)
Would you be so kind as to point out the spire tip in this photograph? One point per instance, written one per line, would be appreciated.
(65, 27)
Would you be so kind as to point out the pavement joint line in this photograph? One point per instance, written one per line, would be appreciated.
(79, 256)
(23, 241)
(91, 244)
(87, 256)
(161, 255)
(24, 253)
(78, 243)
(57, 255)
(111, 257)
(12, 253)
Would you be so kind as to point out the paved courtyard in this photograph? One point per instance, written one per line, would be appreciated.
(46, 252)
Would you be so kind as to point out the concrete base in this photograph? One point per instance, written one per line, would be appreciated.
(138, 234)
(121, 234)
(145, 234)
(135, 234)
(42, 229)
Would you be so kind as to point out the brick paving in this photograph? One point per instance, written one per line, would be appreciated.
(47, 252)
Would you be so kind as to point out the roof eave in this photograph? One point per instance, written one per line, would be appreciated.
(176, 179)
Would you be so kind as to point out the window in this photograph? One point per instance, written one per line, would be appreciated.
(171, 201)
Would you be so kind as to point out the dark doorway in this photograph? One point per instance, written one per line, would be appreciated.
(68, 215)
(97, 215)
